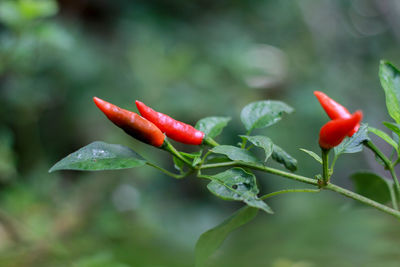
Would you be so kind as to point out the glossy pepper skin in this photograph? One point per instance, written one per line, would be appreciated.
(176, 130)
(133, 124)
(334, 131)
(334, 109)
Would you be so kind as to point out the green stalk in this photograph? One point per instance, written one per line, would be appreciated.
(245, 140)
(259, 167)
(325, 166)
(363, 199)
(330, 186)
(171, 174)
(211, 142)
(167, 146)
(390, 167)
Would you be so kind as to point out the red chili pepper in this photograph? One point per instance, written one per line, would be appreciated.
(333, 132)
(174, 129)
(133, 124)
(334, 109)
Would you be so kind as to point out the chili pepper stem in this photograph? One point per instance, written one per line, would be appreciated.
(325, 166)
(167, 146)
(390, 167)
(211, 142)
(330, 186)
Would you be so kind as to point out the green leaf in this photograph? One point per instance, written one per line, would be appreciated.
(100, 156)
(36, 9)
(261, 141)
(14, 13)
(372, 186)
(217, 158)
(390, 80)
(353, 144)
(178, 164)
(211, 240)
(281, 156)
(262, 114)
(394, 127)
(212, 126)
(312, 154)
(384, 136)
(237, 184)
(235, 153)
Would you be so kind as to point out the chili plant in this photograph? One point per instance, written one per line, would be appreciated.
(343, 134)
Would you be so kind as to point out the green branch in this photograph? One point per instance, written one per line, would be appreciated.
(390, 167)
(325, 166)
(329, 186)
(167, 146)
(259, 167)
(174, 175)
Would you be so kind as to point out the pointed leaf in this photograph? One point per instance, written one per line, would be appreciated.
(237, 184)
(211, 240)
(372, 186)
(100, 156)
(353, 144)
(394, 127)
(384, 136)
(235, 153)
(312, 154)
(212, 126)
(262, 114)
(261, 141)
(178, 164)
(281, 156)
(390, 80)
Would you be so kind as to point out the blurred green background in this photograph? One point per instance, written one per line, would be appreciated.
(189, 59)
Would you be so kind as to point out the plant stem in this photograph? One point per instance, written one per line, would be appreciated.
(325, 166)
(307, 190)
(171, 149)
(390, 167)
(245, 140)
(330, 186)
(362, 199)
(393, 197)
(256, 166)
(205, 157)
(211, 142)
(176, 176)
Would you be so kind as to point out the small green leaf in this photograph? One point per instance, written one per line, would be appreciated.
(212, 126)
(384, 136)
(261, 141)
(372, 186)
(235, 153)
(237, 184)
(353, 144)
(262, 114)
(100, 156)
(394, 127)
(312, 154)
(211, 240)
(390, 80)
(178, 164)
(281, 156)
